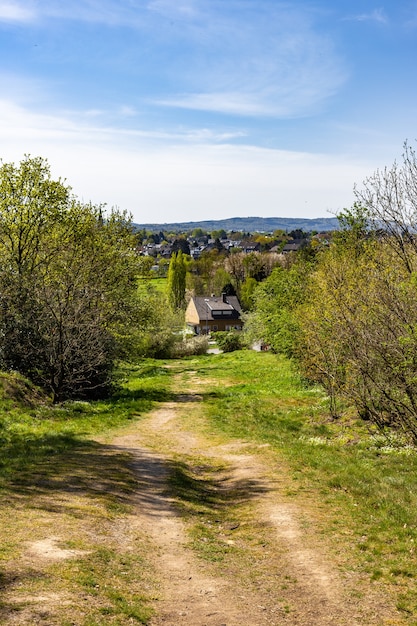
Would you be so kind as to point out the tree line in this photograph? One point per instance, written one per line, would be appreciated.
(348, 313)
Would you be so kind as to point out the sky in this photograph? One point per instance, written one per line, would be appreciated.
(189, 110)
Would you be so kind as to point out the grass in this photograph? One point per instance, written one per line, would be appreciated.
(158, 284)
(56, 478)
(361, 483)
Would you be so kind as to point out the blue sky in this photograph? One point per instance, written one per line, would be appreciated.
(185, 110)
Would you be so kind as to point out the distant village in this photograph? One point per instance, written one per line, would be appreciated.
(160, 246)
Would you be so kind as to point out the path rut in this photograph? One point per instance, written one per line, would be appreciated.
(298, 584)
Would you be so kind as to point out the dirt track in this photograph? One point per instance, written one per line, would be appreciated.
(287, 577)
(276, 567)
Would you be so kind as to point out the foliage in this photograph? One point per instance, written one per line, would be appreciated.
(256, 265)
(229, 341)
(158, 327)
(189, 346)
(359, 320)
(181, 244)
(247, 293)
(177, 273)
(145, 264)
(272, 319)
(66, 282)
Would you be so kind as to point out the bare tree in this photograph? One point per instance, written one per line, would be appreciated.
(390, 198)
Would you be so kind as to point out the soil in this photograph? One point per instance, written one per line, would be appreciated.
(282, 570)
(295, 582)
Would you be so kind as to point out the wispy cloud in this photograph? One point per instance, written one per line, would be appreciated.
(21, 123)
(263, 60)
(241, 57)
(16, 12)
(110, 12)
(377, 15)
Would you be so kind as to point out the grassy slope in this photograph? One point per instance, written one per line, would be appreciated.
(56, 481)
(364, 486)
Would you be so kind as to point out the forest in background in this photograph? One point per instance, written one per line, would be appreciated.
(249, 224)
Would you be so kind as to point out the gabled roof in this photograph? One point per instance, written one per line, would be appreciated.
(206, 306)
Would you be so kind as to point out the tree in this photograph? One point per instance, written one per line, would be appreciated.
(389, 197)
(145, 264)
(219, 234)
(273, 317)
(247, 293)
(177, 273)
(181, 244)
(358, 327)
(67, 283)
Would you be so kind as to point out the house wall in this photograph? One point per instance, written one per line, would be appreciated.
(224, 325)
(191, 315)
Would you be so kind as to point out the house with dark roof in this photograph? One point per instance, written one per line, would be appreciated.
(209, 314)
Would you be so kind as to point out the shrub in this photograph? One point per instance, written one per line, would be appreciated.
(229, 341)
(190, 347)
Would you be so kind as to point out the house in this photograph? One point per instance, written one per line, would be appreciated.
(204, 315)
(294, 246)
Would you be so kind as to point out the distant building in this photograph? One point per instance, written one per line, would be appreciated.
(207, 314)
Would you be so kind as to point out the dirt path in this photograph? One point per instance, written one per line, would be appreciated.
(281, 572)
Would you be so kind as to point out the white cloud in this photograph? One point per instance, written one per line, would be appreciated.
(246, 58)
(15, 12)
(188, 178)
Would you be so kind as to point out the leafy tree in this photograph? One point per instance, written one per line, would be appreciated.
(358, 326)
(219, 279)
(177, 274)
(228, 289)
(67, 279)
(145, 264)
(219, 246)
(247, 293)
(198, 233)
(273, 318)
(229, 341)
(181, 244)
(219, 234)
(155, 324)
(257, 265)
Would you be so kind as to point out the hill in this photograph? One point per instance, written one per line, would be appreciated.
(250, 224)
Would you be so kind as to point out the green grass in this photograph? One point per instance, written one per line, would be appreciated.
(159, 284)
(57, 479)
(363, 484)
(35, 432)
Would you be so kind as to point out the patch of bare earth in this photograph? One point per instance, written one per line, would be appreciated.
(283, 571)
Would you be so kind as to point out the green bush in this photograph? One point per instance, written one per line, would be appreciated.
(229, 341)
